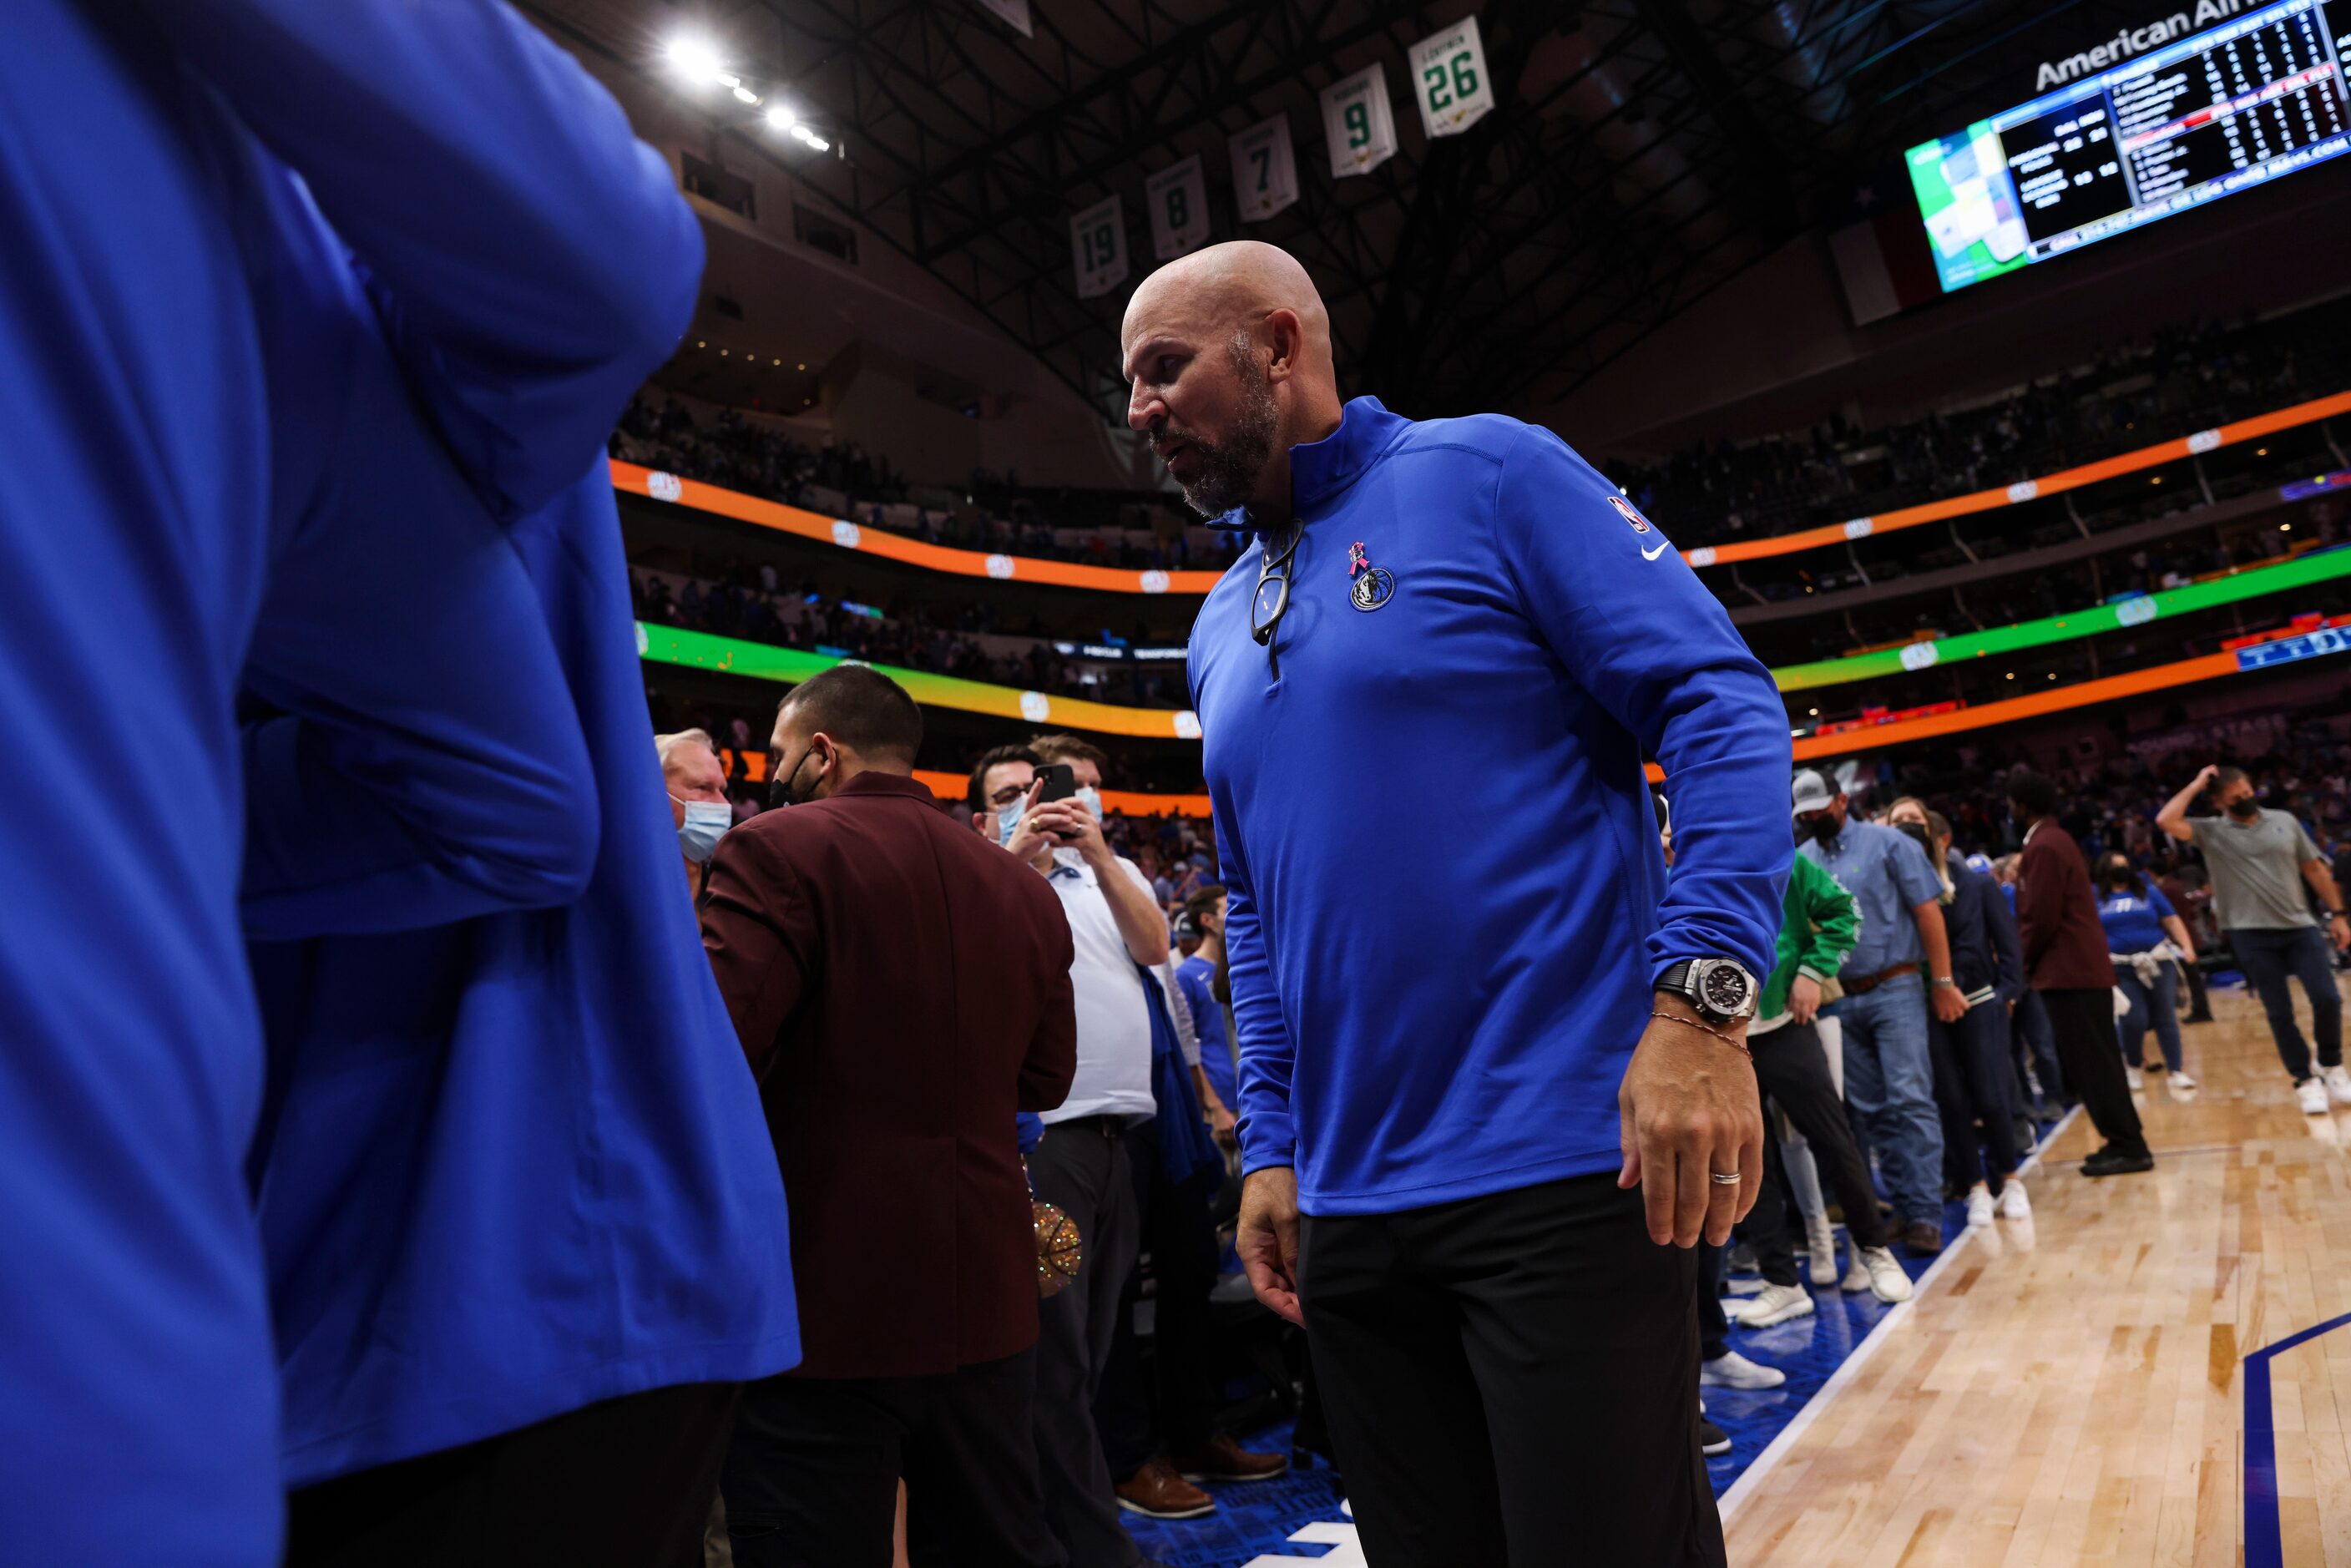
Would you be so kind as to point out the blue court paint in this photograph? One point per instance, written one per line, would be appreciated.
(2264, 1536)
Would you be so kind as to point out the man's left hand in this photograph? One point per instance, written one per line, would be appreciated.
(1950, 1006)
(1689, 1109)
(2339, 926)
(1075, 828)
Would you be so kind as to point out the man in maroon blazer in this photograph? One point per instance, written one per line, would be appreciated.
(902, 989)
(2065, 960)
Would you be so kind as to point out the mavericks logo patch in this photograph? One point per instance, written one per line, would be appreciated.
(1369, 585)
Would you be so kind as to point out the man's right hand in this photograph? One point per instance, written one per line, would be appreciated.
(1804, 999)
(1267, 1239)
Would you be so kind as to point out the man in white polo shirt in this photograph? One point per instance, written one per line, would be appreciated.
(1081, 1165)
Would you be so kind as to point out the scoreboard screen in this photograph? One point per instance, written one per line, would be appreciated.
(2207, 114)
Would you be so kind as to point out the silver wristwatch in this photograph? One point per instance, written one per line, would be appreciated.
(1720, 988)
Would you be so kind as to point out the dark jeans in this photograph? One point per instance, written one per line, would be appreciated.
(2158, 1003)
(1975, 1082)
(813, 1478)
(1512, 1381)
(2268, 957)
(1083, 1168)
(2032, 1040)
(1792, 1069)
(1765, 1230)
(1174, 1408)
(626, 1483)
(2083, 1022)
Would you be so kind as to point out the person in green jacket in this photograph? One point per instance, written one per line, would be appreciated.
(1818, 921)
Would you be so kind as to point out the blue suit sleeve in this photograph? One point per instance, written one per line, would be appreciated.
(2008, 952)
(1262, 1119)
(418, 758)
(538, 258)
(1631, 623)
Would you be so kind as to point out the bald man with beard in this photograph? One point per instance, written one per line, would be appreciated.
(1448, 646)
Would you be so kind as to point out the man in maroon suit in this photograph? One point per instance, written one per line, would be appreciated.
(902, 989)
(2065, 960)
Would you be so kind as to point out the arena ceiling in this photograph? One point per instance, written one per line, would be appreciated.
(1642, 152)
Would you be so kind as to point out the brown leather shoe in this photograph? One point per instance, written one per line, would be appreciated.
(1157, 1491)
(1222, 1459)
(1923, 1237)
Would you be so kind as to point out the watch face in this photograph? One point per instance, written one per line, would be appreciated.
(1724, 988)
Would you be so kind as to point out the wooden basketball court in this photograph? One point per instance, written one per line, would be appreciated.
(2074, 1391)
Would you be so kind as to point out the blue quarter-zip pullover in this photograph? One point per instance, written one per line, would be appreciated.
(1448, 903)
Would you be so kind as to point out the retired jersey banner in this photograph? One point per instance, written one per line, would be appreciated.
(1358, 123)
(1450, 81)
(1265, 169)
(1178, 198)
(1098, 247)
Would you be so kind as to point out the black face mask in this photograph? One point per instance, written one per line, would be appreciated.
(780, 788)
(2246, 810)
(1917, 833)
(1821, 828)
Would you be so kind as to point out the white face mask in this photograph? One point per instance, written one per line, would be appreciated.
(706, 824)
(1090, 798)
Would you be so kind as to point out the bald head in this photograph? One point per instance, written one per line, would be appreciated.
(1226, 353)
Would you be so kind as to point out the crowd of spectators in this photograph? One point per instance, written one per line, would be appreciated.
(970, 642)
(2168, 385)
(728, 449)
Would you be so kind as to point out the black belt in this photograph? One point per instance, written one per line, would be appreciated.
(1108, 1126)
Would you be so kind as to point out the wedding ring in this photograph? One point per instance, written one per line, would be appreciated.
(1721, 1180)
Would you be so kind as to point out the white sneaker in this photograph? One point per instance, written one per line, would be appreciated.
(1821, 1238)
(2182, 1084)
(1772, 1304)
(1874, 1269)
(1979, 1206)
(2137, 1078)
(2013, 1204)
(2311, 1094)
(1732, 1370)
(2338, 1084)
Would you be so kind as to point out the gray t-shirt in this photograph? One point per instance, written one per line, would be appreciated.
(2256, 870)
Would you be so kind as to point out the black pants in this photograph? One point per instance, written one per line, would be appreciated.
(1765, 1230)
(1512, 1381)
(2200, 1004)
(1791, 1068)
(626, 1483)
(2084, 1024)
(1973, 1082)
(813, 1478)
(1083, 1168)
(1172, 1407)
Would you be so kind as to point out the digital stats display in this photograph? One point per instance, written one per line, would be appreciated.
(2202, 115)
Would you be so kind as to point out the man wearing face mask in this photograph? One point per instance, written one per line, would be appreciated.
(902, 991)
(1085, 1167)
(697, 797)
(2259, 860)
(1899, 970)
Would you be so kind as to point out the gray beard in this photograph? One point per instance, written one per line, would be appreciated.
(1230, 468)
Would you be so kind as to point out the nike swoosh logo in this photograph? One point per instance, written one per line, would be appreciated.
(1654, 554)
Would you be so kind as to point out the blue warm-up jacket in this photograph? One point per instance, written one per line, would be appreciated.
(1448, 902)
(511, 1163)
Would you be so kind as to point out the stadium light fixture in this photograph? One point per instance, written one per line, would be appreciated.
(698, 61)
(779, 118)
(745, 95)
